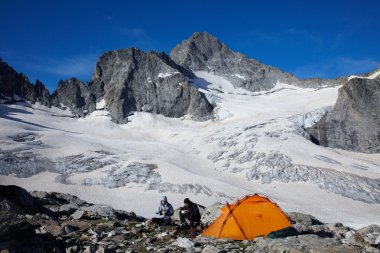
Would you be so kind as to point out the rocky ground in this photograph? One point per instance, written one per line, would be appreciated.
(55, 222)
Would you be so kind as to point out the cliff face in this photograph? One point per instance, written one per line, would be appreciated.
(353, 123)
(74, 94)
(132, 80)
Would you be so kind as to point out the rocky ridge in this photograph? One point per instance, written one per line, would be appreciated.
(125, 81)
(204, 52)
(353, 123)
(13, 85)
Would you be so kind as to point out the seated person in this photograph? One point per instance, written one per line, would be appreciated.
(165, 210)
(189, 212)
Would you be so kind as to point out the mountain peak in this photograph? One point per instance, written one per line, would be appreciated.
(199, 36)
(198, 49)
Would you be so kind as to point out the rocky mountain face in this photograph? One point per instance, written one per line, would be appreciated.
(132, 80)
(13, 83)
(353, 123)
(203, 52)
(74, 94)
(128, 80)
(56, 222)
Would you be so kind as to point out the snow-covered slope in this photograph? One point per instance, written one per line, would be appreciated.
(254, 144)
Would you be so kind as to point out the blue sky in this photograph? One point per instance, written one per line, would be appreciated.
(53, 40)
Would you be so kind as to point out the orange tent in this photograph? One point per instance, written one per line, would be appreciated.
(247, 218)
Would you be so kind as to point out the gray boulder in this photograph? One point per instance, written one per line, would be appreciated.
(305, 220)
(131, 80)
(353, 123)
(78, 214)
(99, 210)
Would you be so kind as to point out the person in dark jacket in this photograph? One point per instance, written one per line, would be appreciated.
(189, 212)
(165, 210)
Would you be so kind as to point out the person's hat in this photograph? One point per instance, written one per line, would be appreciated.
(186, 201)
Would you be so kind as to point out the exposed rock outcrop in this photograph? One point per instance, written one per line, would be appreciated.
(353, 123)
(74, 94)
(131, 80)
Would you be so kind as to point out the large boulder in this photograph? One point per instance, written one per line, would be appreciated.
(303, 222)
(353, 123)
(14, 199)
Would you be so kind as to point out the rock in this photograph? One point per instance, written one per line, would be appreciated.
(211, 213)
(377, 241)
(210, 249)
(183, 243)
(353, 122)
(55, 230)
(77, 214)
(112, 233)
(358, 240)
(68, 208)
(14, 199)
(370, 234)
(303, 219)
(63, 200)
(99, 210)
(302, 243)
(77, 224)
(369, 230)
